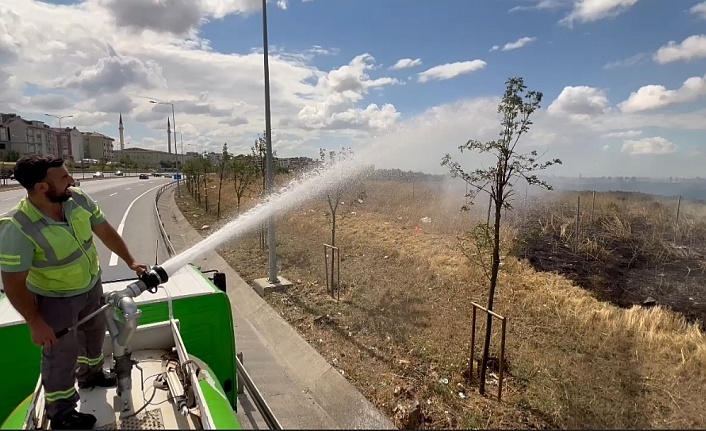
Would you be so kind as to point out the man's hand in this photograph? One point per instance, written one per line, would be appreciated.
(139, 268)
(42, 334)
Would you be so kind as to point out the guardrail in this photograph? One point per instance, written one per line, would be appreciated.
(162, 230)
(244, 379)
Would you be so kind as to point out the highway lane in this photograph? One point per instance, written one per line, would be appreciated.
(129, 201)
(9, 198)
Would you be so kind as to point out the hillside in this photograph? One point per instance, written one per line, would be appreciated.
(576, 355)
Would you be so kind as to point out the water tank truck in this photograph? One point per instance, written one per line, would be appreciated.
(173, 351)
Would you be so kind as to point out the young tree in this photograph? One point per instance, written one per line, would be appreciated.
(516, 107)
(336, 194)
(225, 160)
(244, 174)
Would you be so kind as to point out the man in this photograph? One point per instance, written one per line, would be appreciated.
(52, 277)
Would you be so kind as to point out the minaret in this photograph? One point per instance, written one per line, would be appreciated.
(122, 137)
(169, 136)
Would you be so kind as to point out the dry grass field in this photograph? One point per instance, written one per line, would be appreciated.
(577, 354)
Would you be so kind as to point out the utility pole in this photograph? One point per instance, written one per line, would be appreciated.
(268, 136)
(261, 285)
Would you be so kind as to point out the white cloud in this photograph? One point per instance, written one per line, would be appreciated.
(580, 102)
(581, 10)
(691, 48)
(699, 10)
(594, 10)
(649, 146)
(451, 70)
(657, 96)
(519, 43)
(116, 63)
(630, 61)
(624, 134)
(405, 63)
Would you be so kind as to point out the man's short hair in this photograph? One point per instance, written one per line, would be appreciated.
(29, 170)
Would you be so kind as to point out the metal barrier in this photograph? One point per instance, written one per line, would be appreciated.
(260, 403)
(162, 230)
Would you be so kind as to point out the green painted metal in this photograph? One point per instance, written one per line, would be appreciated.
(222, 414)
(16, 419)
(206, 327)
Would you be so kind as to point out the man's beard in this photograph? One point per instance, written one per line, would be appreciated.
(54, 196)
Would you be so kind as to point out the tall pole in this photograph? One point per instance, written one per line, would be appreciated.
(59, 118)
(268, 136)
(176, 155)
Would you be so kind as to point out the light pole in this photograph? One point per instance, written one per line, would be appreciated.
(59, 118)
(268, 136)
(176, 160)
(181, 165)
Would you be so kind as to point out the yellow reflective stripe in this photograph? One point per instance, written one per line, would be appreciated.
(60, 395)
(8, 259)
(89, 361)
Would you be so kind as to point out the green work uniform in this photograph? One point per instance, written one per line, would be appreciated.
(65, 278)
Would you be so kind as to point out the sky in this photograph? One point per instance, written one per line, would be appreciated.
(623, 81)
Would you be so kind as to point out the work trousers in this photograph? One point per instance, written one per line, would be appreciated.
(75, 356)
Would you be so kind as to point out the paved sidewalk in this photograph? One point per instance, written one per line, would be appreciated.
(302, 389)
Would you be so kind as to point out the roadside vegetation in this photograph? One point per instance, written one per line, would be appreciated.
(603, 296)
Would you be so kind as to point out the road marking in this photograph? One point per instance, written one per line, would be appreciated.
(113, 194)
(121, 226)
(127, 188)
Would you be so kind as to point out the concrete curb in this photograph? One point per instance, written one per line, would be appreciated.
(333, 402)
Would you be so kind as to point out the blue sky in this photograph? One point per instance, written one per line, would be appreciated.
(106, 56)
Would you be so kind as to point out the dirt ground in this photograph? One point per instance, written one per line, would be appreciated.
(402, 327)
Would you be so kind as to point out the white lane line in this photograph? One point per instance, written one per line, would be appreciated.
(121, 226)
(113, 194)
(127, 188)
(8, 199)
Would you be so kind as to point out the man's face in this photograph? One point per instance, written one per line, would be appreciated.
(57, 183)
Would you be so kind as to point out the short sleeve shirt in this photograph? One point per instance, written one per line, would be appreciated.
(17, 251)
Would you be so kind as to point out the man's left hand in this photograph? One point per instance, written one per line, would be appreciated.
(139, 268)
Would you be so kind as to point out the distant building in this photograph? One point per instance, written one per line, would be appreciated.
(27, 136)
(97, 146)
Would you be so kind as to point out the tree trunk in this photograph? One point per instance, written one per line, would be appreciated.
(491, 294)
(333, 244)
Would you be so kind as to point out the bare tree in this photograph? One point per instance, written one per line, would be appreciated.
(244, 174)
(225, 160)
(516, 107)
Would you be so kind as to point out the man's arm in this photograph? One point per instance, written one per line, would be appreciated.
(18, 294)
(16, 256)
(110, 237)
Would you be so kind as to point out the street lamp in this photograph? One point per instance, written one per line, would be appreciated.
(268, 137)
(59, 118)
(175, 152)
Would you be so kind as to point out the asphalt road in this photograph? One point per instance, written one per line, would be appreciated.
(125, 201)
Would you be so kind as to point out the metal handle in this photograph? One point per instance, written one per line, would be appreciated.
(65, 331)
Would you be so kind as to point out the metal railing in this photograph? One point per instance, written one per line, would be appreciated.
(244, 379)
(162, 230)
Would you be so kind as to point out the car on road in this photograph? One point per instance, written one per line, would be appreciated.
(98, 175)
(144, 177)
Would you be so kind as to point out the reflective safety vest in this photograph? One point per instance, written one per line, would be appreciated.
(63, 264)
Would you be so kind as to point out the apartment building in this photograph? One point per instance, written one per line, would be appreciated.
(97, 146)
(27, 136)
